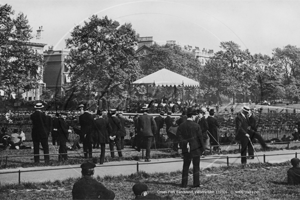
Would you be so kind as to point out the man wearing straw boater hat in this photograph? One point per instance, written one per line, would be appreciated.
(242, 132)
(39, 133)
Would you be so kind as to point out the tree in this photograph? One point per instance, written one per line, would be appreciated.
(288, 59)
(229, 71)
(19, 63)
(102, 58)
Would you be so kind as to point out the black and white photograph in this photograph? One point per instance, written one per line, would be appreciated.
(149, 99)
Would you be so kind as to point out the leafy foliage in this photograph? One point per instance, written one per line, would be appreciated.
(19, 62)
(102, 57)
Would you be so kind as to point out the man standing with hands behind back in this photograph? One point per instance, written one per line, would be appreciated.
(190, 137)
(39, 133)
(147, 129)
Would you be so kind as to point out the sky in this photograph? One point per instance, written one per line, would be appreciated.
(257, 25)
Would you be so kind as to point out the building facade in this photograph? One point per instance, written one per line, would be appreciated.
(56, 74)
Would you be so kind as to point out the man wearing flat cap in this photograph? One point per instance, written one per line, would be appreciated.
(39, 133)
(89, 188)
(294, 172)
(190, 138)
(242, 127)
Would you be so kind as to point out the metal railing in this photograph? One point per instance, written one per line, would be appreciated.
(137, 165)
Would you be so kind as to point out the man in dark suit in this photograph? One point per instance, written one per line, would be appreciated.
(89, 188)
(159, 120)
(191, 142)
(170, 121)
(123, 132)
(213, 127)
(293, 174)
(147, 128)
(255, 135)
(103, 128)
(115, 134)
(87, 127)
(54, 131)
(204, 127)
(39, 133)
(242, 128)
(63, 135)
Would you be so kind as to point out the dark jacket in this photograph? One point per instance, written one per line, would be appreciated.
(213, 126)
(146, 125)
(190, 132)
(39, 129)
(122, 126)
(241, 126)
(293, 176)
(159, 120)
(89, 188)
(103, 129)
(115, 126)
(169, 122)
(204, 127)
(63, 133)
(86, 122)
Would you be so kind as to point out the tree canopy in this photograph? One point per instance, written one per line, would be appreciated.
(19, 62)
(102, 58)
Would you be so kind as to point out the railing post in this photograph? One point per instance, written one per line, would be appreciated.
(142, 153)
(264, 158)
(296, 155)
(6, 161)
(137, 167)
(19, 177)
(227, 161)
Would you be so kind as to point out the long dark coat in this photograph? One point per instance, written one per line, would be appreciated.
(63, 133)
(146, 125)
(213, 126)
(87, 125)
(115, 126)
(241, 127)
(190, 132)
(103, 128)
(122, 126)
(39, 129)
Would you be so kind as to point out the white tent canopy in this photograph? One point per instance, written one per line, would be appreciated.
(166, 77)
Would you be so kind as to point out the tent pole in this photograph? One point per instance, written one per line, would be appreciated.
(147, 93)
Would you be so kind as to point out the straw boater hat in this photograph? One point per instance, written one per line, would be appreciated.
(81, 105)
(38, 106)
(246, 109)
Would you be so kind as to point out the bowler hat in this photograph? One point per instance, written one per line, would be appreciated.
(191, 111)
(211, 111)
(139, 188)
(39, 105)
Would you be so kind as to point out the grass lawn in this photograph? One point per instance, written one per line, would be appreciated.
(267, 181)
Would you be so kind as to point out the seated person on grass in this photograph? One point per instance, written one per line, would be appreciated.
(140, 192)
(89, 188)
(294, 172)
